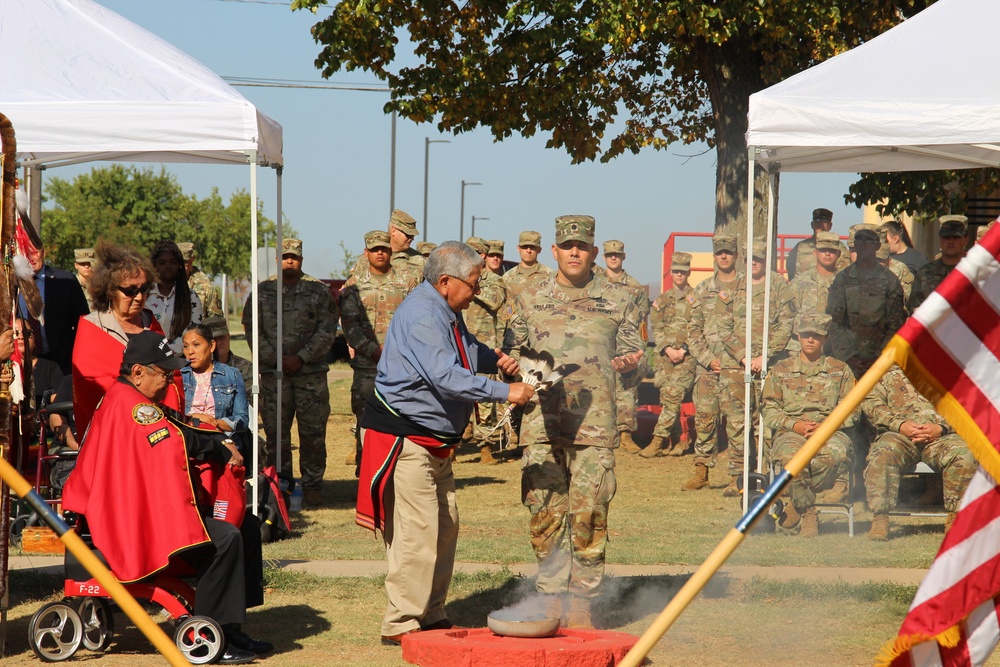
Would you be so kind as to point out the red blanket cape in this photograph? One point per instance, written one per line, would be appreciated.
(97, 358)
(131, 481)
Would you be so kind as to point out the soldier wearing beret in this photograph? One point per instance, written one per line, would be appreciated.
(799, 393)
(569, 431)
(368, 301)
(675, 372)
(801, 257)
(309, 325)
(952, 235)
(529, 244)
(201, 284)
(83, 261)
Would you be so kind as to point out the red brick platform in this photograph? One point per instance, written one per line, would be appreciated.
(479, 647)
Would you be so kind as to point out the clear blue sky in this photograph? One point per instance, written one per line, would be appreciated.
(337, 155)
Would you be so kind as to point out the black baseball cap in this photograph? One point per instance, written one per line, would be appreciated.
(151, 349)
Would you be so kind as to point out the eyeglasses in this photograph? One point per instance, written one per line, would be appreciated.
(679, 272)
(167, 375)
(133, 291)
(473, 286)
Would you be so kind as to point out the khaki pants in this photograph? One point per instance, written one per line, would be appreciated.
(420, 539)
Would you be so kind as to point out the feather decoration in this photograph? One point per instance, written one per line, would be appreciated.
(539, 370)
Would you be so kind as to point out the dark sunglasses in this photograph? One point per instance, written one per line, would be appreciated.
(132, 291)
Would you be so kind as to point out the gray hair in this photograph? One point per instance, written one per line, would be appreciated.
(452, 258)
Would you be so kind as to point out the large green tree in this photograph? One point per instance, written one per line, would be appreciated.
(601, 77)
(140, 207)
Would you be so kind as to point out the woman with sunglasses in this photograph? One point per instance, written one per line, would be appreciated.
(119, 286)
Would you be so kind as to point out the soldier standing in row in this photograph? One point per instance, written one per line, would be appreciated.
(530, 270)
(952, 236)
(402, 230)
(367, 303)
(568, 477)
(83, 260)
(671, 317)
(799, 393)
(201, 284)
(494, 256)
(811, 288)
(896, 267)
(627, 399)
(309, 324)
(909, 431)
(425, 248)
(801, 257)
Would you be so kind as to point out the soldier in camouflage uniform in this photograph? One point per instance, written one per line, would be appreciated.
(718, 390)
(910, 431)
(425, 248)
(811, 288)
(402, 230)
(569, 431)
(801, 258)
(670, 317)
(627, 399)
(896, 267)
(952, 235)
(799, 393)
(367, 303)
(530, 270)
(866, 303)
(494, 256)
(309, 321)
(83, 260)
(201, 284)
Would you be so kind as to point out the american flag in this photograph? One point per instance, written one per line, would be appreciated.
(950, 350)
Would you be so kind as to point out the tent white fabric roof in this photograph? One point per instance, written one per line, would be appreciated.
(921, 96)
(81, 83)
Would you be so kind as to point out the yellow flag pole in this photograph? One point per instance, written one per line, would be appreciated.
(153, 632)
(735, 537)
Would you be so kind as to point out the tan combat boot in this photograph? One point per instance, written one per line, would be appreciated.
(949, 521)
(699, 480)
(627, 443)
(835, 495)
(880, 527)
(933, 494)
(486, 455)
(552, 607)
(680, 448)
(655, 447)
(790, 517)
(578, 615)
(810, 523)
(733, 490)
(467, 435)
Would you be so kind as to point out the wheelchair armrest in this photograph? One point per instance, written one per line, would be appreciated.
(61, 408)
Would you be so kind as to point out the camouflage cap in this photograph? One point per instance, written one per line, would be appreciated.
(883, 251)
(983, 229)
(852, 232)
(613, 247)
(478, 244)
(187, 250)
(827, 241)
(575, 228)
(426, 247)
(217, 324)
(530, 238)
(814, 322)
(723, 242)
(291, 247)
(494, 247)
(952, 225)
(759, 249)
(404, 222)
(377, 238)
(680, 261)
(822, 215)
(83, 255)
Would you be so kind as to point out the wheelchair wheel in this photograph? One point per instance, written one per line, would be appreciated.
(200, 639)
(98, 623)
(55, 632)
(17, 526)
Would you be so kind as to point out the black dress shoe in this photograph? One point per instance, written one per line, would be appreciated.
(397, 640)
(443, 624)
(242, 640)
(233, 655)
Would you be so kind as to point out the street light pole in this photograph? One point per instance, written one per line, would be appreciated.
(427, 146)
(474, 218)
(461, 219)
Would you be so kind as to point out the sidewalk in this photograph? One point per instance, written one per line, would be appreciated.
(374, 568)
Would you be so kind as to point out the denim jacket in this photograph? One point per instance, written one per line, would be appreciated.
(229, 391)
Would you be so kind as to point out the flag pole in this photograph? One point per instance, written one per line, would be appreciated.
(122, 597)
(735, 536)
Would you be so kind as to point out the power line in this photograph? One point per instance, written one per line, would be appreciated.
(254, 82)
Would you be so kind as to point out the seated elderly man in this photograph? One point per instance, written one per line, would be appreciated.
(133, 485)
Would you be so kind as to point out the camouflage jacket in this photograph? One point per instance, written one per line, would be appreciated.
(895, 400)
(926, 280)
(802, 257)
(485, 317)
(867, 310)
(309, 323)
(404, 261)
(712, 304)
(905, 276)
(634, 286)
(588, 327)
(86, 292)
(244, 366)
(367, 304)
(671, 317)
(520, 277)
(781, 315)
(211, 299)
(797, 390)
(810, 290)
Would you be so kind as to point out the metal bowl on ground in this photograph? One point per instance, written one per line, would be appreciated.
(523, 627)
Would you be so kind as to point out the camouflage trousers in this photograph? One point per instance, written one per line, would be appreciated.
(362, 387)
(305, 397)
(892, 452)
(625, 401)
(718, 395)
(484, 418)
(568, 491)
(674, 382)
(832, 462)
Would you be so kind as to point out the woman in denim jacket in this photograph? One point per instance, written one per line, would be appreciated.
(214, 393)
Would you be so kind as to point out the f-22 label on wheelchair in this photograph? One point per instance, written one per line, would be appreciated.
(84, 588)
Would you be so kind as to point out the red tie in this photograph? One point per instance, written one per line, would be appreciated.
(461, 346)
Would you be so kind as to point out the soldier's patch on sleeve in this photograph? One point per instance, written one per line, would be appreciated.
(692, 299)
(157, 436)
(146, 413)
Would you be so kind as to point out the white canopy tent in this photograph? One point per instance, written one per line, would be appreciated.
(919, 97)
(81, 83)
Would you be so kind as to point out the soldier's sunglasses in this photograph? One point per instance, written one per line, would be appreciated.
(133, 291)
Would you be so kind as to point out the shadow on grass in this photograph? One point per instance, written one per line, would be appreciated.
(272, 623)
(479, 480)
